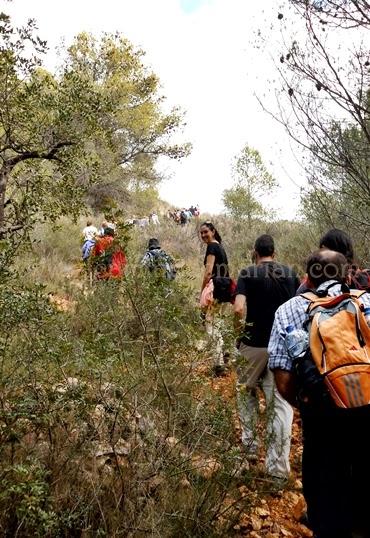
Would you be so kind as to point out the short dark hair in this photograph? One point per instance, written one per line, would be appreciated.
(264, 245)
(324, 265)
(339, 241)
(109, 231)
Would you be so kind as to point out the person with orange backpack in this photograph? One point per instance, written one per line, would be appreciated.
(320, 355)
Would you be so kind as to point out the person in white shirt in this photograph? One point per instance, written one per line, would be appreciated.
(154, 219)
(90, 231)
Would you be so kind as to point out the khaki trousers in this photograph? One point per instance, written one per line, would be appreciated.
(251, 368)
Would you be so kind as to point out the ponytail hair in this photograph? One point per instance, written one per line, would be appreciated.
(213, 229)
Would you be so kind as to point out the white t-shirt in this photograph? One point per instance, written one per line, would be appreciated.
(89, 232)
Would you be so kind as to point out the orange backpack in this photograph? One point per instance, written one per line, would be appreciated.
(340, 346)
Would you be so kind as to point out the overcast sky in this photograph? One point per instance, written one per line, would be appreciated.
(205, 56)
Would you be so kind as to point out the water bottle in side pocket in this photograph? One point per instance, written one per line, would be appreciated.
(296, 342)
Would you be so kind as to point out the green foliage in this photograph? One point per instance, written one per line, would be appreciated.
(107, 406)
(94, 129)
(131, 108)
(108, 423)
(44, 124)
(241, 205)
(25, 498)
(144, 200)
(339, 191)
(323, 100)
(251, 182)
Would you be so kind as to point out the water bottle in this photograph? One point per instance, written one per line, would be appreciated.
(367, 315)
(296, 341)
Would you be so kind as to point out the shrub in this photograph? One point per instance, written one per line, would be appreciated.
(107, 426)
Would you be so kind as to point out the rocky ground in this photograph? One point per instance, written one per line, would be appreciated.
(276, 513)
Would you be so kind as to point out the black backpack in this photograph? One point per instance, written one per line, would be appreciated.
(223, 290)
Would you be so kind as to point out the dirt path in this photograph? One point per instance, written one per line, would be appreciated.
(275, 515)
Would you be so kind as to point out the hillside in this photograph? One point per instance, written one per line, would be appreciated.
(112, 422)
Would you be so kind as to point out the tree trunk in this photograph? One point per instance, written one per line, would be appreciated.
(4, 176)
(3, 184)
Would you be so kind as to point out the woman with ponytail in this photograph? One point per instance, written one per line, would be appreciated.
(215, 259)
(216, 265)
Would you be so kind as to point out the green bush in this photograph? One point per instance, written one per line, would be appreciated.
(107, 426)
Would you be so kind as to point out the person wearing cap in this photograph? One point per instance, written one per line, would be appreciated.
(157, 260)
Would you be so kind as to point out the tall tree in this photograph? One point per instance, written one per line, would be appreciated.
(98, 120)
(26, 96)
(133, 113)
(251, 182)
(323, 101)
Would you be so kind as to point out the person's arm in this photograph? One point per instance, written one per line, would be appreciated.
(297, 283)
(239, 313)
(279, 361)
(286, 385)
(210, 261)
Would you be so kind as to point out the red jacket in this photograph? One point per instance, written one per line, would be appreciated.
(118, 262)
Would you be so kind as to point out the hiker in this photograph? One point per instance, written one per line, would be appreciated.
(335, 464)
(340, 241)
(261, 289)
(211, 299)
(143, 222)
(153, 218)
(184, 217)
(87, 249)
(109, 259)
(90, 231)
(177, 217)
(102, 228)
(89, 234)
(158, 261)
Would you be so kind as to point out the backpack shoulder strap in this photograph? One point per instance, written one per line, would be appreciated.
(357, 293)
(328, 301)
(310, 296)
(313, 297)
